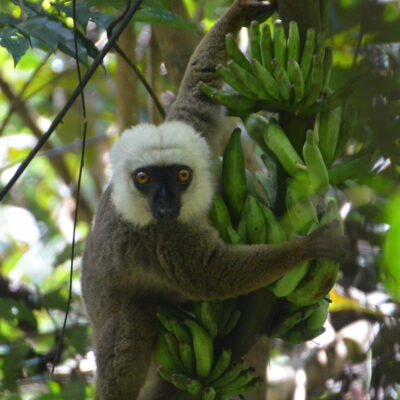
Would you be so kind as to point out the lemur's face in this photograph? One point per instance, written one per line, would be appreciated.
(162, 173)
(163, 186)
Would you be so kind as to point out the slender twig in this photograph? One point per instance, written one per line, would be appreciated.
(85, 79)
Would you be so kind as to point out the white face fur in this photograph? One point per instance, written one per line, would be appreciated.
(145, 145)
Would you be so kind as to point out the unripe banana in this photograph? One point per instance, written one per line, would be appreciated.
(203, 348)
(279, 42)
(230, 375)
(165, 373)
(316, 168)
(234, 52)
(234, 237)
(267, 81)
(231, 322)
(347, 128)
(319, 315)
(255, 126)
(298, 335)
(277, 141)
(296, 77)
(249, 82)
(256, 229)
(255, 41)
(163, 356)
(179, 331)
(220, 366)
(235, 82)
(251, 386)
(183, 382)
(234, 187)
(187, 357)
(320, 46)
(288, 322)
(282, 80)
(329, 126)
(242, 380)
(208, 318)
(275, 233)
(232, 101)
(267, 185)
(307, 54)
(220, 217)
(173, 347)
(209, 393)
(314, 81)
(293, 42)
(353, 168)
(266, 45)
(302, 213)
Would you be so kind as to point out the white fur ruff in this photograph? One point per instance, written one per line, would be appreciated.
(145, 145)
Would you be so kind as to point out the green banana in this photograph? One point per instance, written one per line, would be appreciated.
(300, 210)
(173, 347)
(323, 275)
(296, 77)
(293, 42)
(251, 386)
(288, 283)
(266, 79)
(187, 357)
(314, 82)
(220, 217)
(316, 168)
(179, 331)
(255, 41)
(165, 373)
(249, 82)
(320, 46)
(255, 125)
(352, 168)
(183, 382)
(234, 187)
(307, 54)
(282, 79)
(165, 320)
(275, 233)
(231, 322)
(267, 185)
(203, 348)
(277, 141)
(256, 229)
(279, 42)
(347, 127)
(298, 335)
(288, 322)
(208, 319)
(329, 126)
(228, 307)
(163, 356)
(328, 63)
(209, 393)
(241, 227)
(235, 82)
(234, 52)
(266, 47)
(234, 237)
(220, 366)
(242, 380)
(319, 315)
(230, 375)
(232, 101)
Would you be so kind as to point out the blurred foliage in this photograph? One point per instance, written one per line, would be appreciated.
(37, 75)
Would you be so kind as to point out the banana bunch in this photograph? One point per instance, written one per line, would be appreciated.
(300, 324)
(188, 358)
(280, 75)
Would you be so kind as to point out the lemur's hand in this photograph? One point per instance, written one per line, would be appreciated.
(258, 10)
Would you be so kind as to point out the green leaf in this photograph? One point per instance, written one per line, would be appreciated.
(103, 20)
(15, 43)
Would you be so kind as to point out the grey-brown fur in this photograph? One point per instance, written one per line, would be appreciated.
(128, 270)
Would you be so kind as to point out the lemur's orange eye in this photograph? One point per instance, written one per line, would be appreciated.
(142, 177)
(184, 175)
